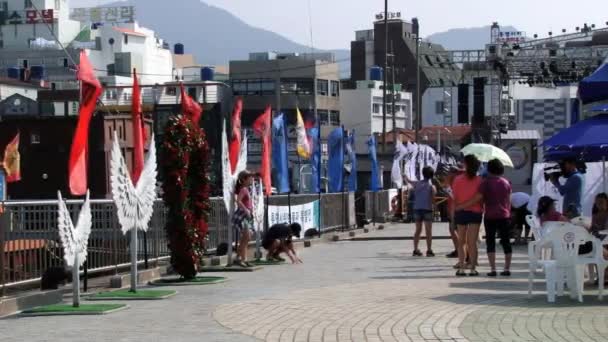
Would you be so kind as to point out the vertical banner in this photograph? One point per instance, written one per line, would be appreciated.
(315, 161)
(307, 215)
(375, 181)
(2, 185)
(352, 156)
(279, 155)
(335, 143)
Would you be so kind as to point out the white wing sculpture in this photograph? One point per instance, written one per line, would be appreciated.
(229, 178)
(74, 239)
(257, 198)
(135, 204)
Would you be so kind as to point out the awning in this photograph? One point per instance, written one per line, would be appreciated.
(521, 134)
(594, 88)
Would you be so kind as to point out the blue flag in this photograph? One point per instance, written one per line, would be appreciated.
(352, 156)
(315, 160)
(279, 154)
(375, 183)
(335, 167)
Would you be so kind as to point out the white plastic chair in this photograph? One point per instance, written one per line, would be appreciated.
(565, 240)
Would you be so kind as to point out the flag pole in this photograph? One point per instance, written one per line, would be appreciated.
(319, 164)
(343, 184)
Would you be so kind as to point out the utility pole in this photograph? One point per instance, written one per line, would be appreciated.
(384, 76)
(418, 120)
(394, 112)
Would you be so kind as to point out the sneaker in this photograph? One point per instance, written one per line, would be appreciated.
(505, 273)
(452, 255)
(240, 263)
(417, 253)
(492, 274)
(430, 253)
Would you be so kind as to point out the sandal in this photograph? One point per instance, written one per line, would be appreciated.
(417, 253)
(473, 273)
(460, 273)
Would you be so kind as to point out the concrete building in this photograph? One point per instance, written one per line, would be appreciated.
(310, 82)
(368, 49)
(114, 41)
(365, 111)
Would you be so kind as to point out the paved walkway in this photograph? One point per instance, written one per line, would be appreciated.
(345, 291)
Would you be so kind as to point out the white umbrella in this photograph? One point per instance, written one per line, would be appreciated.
(486, 152)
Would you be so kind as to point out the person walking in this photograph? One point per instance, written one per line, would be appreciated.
(467, 216)
(242, 220)
(424, 194)
(495, 195)
(447, 189)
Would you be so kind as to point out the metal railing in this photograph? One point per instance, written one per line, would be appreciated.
(381, 202)
(29, 238)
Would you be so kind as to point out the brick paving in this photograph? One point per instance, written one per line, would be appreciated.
(345, 291)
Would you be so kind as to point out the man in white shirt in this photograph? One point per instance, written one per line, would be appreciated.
(519, 208)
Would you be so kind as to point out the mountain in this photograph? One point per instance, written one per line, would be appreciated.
(466, 38)
(213, 34)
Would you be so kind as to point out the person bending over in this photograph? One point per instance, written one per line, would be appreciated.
(278, 239)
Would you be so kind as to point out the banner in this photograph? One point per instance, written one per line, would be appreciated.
(375, 182)
(279, 154)
(315, 161)
(2, 185)
(307, 215)
(335, 169)
(352, 157)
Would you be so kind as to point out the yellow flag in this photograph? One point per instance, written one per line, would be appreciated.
(12, 161)
(303, 144)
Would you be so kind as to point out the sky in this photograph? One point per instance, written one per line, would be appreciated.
(335, 21)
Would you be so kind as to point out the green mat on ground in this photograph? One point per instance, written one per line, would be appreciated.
(140, 294)
(196, 280)
(68, 308)
(262, 262)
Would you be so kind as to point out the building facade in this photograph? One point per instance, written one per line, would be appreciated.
(286, 82)
(407, 51)
(365, 111)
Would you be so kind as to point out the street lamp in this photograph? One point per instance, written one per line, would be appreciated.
(418, 121)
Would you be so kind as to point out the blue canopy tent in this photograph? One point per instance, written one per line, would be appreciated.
(594, 88)
(600, 108)
(587, 139)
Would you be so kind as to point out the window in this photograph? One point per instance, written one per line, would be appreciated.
(334, 118)
(35, 138)
(322, 87)
(192, 93)
(172, 91)
(335, 88)
(376, 108)
(439, 107)
(268, 87)
(297, 86)
(28, 4)
(239, 87)
(254, 87)
(57, 4)
(126, 39)
(323, 116)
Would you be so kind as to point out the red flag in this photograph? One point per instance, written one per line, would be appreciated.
(138, 131)
(261, 127)
(235, 143)
(90, 89)
(12, 161)
(190, 108)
